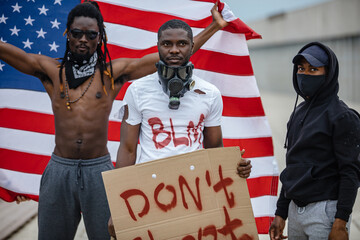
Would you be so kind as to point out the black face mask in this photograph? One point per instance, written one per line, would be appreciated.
(309, 84)
(79, 67)
(175, 81)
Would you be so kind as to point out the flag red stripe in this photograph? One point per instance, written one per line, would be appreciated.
(26, 120)
(114, 131)
(222, 63)
(10, 196)
(23, 162)
(254, 147)
(42, 123)
(242, 107)
(39, 122)
(233, 107)
(266, 183)
(135, 18)
(121, 52)
(202, 59)
(123, 89)
(263, 223)
(36, 164)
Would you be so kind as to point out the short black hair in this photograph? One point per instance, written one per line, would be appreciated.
(175, 24)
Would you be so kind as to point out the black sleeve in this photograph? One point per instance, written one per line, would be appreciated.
(282, 206)
(346, 142)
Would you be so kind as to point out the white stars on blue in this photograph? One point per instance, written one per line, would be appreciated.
(27, 44)
(29, 20)
(16, 8)
(41, 33)
(55, 24)
(53, 47)
(43, 10)
(35, 26)
(14, 31)
(3, 19)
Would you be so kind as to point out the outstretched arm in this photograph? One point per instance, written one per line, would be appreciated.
(27, 63)
(131, 69)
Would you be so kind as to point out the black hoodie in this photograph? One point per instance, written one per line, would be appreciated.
(323, 148)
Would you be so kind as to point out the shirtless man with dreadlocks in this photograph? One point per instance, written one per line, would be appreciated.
(82, 91)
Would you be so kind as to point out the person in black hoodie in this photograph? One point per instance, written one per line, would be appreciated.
(322, 174)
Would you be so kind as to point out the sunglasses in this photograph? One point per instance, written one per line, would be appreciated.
(168, 72)
(91, 35)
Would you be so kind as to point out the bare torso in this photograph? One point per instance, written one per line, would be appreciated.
(82, 131)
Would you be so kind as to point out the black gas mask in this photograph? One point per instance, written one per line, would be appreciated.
(175, 81)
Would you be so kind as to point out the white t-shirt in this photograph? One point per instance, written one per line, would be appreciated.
(165, 132)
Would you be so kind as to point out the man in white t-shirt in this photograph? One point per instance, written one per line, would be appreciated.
(165, 132)
(171, 111)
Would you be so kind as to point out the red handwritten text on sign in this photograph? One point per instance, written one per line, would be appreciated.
(220, 187)
(193, 133)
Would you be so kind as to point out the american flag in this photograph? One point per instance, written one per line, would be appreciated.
(26, 120)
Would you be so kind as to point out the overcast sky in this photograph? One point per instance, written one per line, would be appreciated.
(250, 10)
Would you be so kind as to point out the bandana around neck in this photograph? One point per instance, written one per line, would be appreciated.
(78, 68)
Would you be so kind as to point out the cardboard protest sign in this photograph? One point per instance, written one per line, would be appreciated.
(190, 196)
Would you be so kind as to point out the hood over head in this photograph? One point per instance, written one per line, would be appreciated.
(317, 54)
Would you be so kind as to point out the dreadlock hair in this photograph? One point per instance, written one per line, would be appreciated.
(90, 9)
(175, 24)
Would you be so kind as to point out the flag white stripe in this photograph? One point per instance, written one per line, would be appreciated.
(193, 10)
(39, 102)
(249, 127)
(20, 182)
(263, 166)
(230, 85)
(233, 128)
(114, 114)
(231, 43)
(25, 141)
(37, 143)
(34, 143)
(25, 100)
(43, 144)
(29, 184)
(138, 39)
(264, 206)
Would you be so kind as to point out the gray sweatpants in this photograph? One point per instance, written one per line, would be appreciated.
(313, 222)
(69, 188)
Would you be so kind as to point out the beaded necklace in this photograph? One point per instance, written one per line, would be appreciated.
(68, 101)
